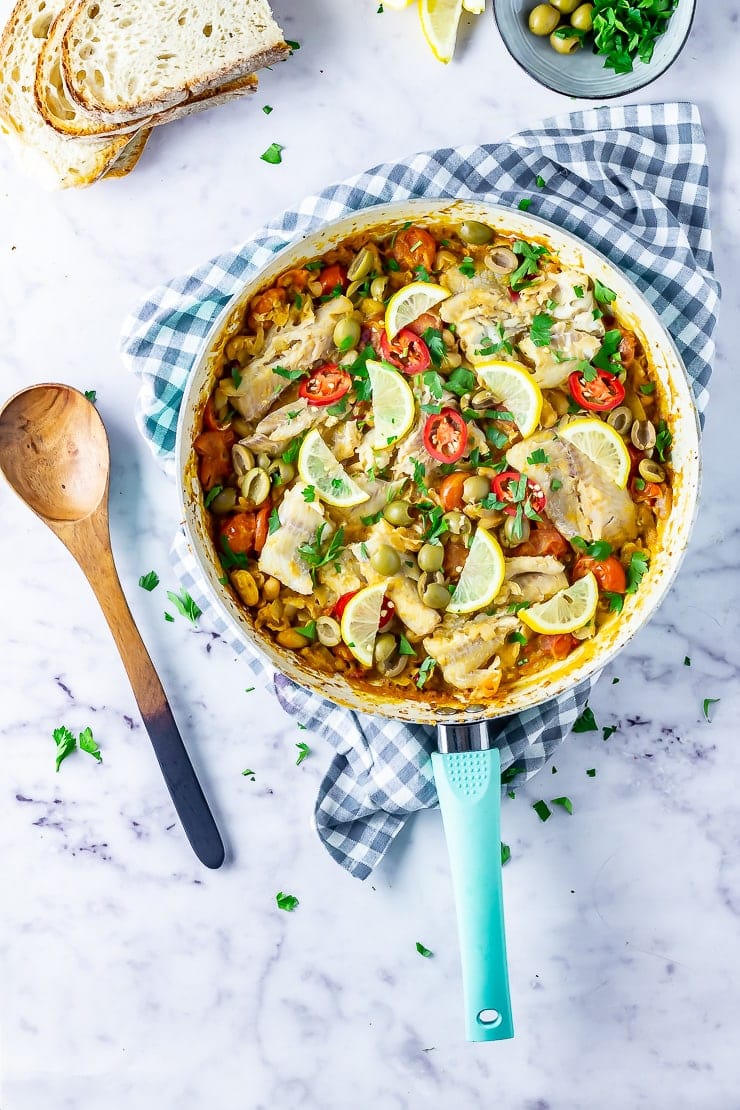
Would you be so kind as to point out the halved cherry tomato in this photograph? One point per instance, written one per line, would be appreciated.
(214, 449)
(558, 646)
(504, 488)
(239, 531)
(609, 572)
(331, 277)
(602, 394)
(446, 435)
(387, 613)
(455, 555)
(407, 351)
(645, 491)
(342, 603)
(544, 539)
(450, 490)
(326, 385)
(262, 526)
(414, 246)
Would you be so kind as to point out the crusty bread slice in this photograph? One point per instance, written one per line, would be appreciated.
(69, 118)
(122, 60)
(130, 155)
(58, 162)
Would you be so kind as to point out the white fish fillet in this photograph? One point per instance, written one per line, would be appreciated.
(549, 372)
(462, 651)
(532, 578)
(299, 522)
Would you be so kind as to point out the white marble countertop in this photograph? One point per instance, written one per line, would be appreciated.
(133, 977)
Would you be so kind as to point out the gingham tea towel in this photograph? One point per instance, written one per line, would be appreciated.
(633, 182)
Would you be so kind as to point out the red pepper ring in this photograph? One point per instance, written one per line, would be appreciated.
(407, 351)
(602, 394)
(503, 488)
(446, 435)
(326, 385)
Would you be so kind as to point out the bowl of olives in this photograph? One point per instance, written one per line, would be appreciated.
(594, 49)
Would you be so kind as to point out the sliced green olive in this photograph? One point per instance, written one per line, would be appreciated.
(255, 486)
(346, 333)
(582, 17)
(501, 260)
(386, 560)
(483, 399)
(394, 665)
(565, 7)
(515, 533)
(224, 501)
(564, 43)
(649, 470)
(361, 265)
(242, 459)
(284, 469)
(620, 419)
(436, 596)
(458, 523)
(475, 233)
(385, 645)
(377, 288)
(397, 513)
(475, 488)
(328, 632)
(431, 556)
(643, 435)
(543, 20)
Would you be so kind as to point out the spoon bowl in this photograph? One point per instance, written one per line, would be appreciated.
(54, 453)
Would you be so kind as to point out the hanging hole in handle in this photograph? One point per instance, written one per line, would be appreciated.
(490, 1018)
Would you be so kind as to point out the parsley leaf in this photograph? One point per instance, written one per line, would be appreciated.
(603, 293)
(287, 902)
(436, 344)
(505, 853)
(91, 395)
(542, 810)
(607, 358)
(586, 722)
(434, 383)
(422, 950)
(636, 570)
(149, 581)
(616, 601)
(663, 441)
(65, 743)
(303, 752)
(578, 290)
(540, 181)
(530, 254)
(539, 455)
(707, 705)
(308, 630)
(317, 554)
(467, 267)
(273, 154)
(185, 605)
(88, 744)
(266, 108)
(308, 493)
(425, 671)
(248, 771)
(210, 497)
(564, 802)
(524, 204)
(404, 647)
(539, 332)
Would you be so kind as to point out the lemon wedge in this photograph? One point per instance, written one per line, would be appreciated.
(411, 302)
(566, 611)
(514, 387)
(360, 621)
(602, 444)
(482, 576)
(318, 468)
(394, 409)
(439, 22)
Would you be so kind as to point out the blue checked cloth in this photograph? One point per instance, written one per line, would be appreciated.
(633, 182)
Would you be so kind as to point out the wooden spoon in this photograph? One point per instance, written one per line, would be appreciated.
(54, 453)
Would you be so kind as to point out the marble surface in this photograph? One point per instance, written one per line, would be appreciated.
(134, 978)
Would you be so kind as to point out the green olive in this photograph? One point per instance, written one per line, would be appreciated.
(224, 501)
(501, 260)
(564, 43)
(327, 631)
(377, 288)
(255, 486)
(475, 233)
(397, 512)
(242, 459)
(457, 523)
(436, 596)
(386, 560)
(649, 470)
(643, 435)
(621, 419)
(361, 265)
(346, 333)
(475, 488)
(385, 645)
(431, 556)
(285, 470)
(582, 18)
(565, 7)
(543, 19)
(515, 532)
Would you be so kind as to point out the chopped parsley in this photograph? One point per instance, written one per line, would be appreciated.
(308, 630)
(303, 752)
(65, 743)
(591, 772)
(293, 45)
(421, 273)
(267, 108)
(436, 344)
(248, 771)
(236, 377)
(287, 902)
(505, 852)
(539, 455)
(273, 154)
(540, 181)
(530, 254)
(578, 290)
(88, 744)
(467, 267)
(707, 705)
(169, 617)
(291, 452)
(149, 581)
(420, 474)
(210, 497)
(524, 204)
(273, 522)
(91, 395)
(603, 293)
(372, 519)
(636, 570)
(317, 553)
(434, 383)
(404, 647)
(624, 30)
(542, 810)
(425, 671)
(663, 441)
(607, 357)
(539, 332)
(647, 388)
(185, 605)
(422, 950)
(616, 601)
(586, 722)
(686, 661)
(607, 731)
(564, 802)
(308, 493)
(289, 375)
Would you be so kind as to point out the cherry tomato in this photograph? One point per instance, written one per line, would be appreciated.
(504, 488)
(455, 555)
(544, 539)
(558, 646)
(603, 394)
(326, 385)
(341, 604)
(387, 613)
(214, 449)
(446, 435)
(239, 531)
(407, 351)
(414, 246)
(645, 491)
(331, 277)
(609, 573)
(450, 490)
(262, 526)
(426, 320)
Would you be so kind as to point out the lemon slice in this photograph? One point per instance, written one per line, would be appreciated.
(360, 621)
(318, 468)
(566, 611)
(482, 576)
(394, 409)
(514, 387)
(411, 302)
(439, 20)
(602, 444)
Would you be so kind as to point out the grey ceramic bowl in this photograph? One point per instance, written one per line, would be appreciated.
(582, 74)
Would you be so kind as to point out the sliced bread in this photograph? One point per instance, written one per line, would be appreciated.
(122, 60)
(69, 118)
(57, 161)
(129, 156)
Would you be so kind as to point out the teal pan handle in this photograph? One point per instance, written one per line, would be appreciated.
(469, 788)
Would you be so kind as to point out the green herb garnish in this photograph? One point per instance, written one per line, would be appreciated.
(65, 743)
(91, 395)
(425, 671)
(149, 581)
(539, 332)
(636, 570)
(422, 950)
(210, 497)
(542, 810)
(273, 154)
(564, 802)
(603, 293)
(530, 254)
(287, 902)
(467, 267)
(404, 647)
(625, 30)
(707, 705)
(539, 455)
(317, 554)
(303, 752)
(586, 722)
(185, 605)
(505, 849)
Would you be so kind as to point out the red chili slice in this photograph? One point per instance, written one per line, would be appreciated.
(602, 394)
(504, 487)
(387, 613)
(446, 436)
(407, 351)
(341, 604)
(327, 385)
